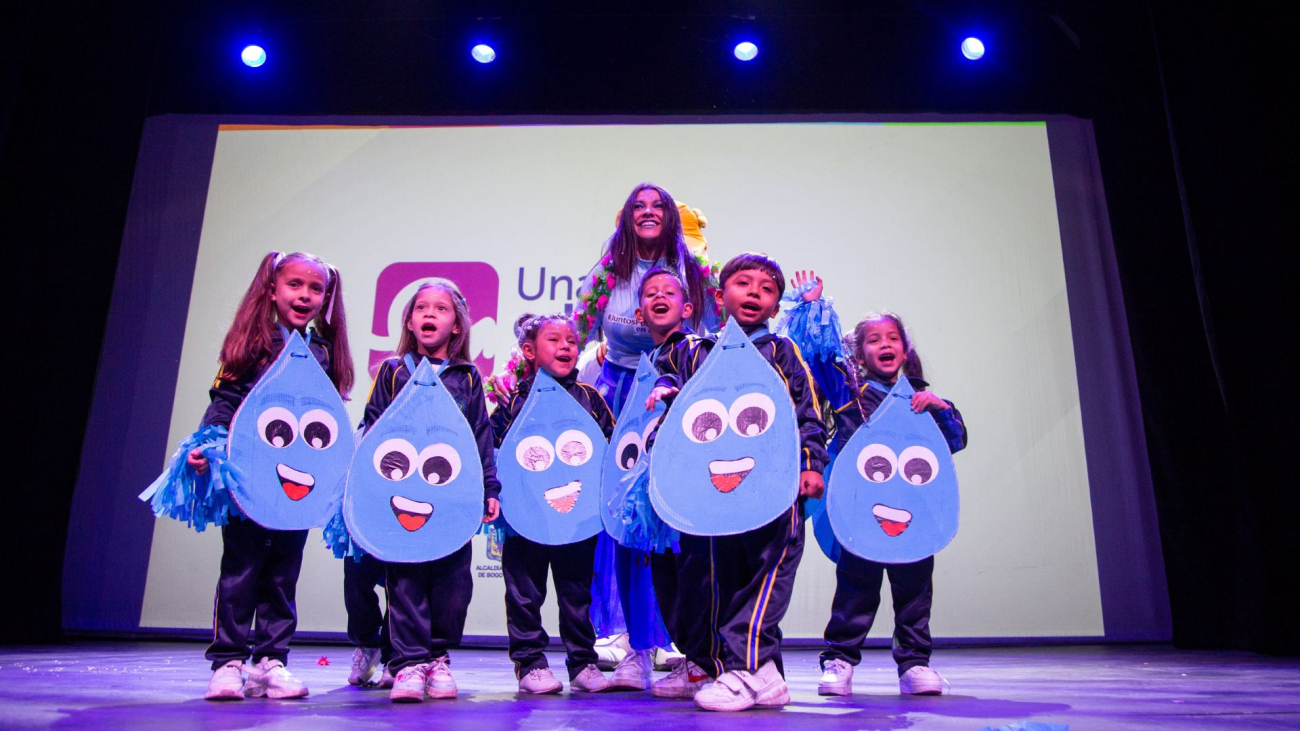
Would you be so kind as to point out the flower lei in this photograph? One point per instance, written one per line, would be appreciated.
(517, 369)
(592, 303)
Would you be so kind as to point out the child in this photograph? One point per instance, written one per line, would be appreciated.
(663, 309)
(427, 602)
(367, 625)
(550, 344)
(751, 574)
(881, 351)
(259, 566)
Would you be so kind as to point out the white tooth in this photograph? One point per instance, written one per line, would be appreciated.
(555, 493)
(411, 506)
(298, 478)
(884, 512)
(727, 467)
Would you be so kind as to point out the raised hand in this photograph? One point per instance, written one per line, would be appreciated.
(802, 278)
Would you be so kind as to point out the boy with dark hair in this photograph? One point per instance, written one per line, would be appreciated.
(750, 575)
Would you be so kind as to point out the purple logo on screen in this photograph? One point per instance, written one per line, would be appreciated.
(477, 281)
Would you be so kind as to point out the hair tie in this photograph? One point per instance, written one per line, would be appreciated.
(333, 292)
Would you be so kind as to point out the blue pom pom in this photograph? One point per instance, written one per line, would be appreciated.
(815, 328)
(645, 530)
(197, 500)
(339, 540)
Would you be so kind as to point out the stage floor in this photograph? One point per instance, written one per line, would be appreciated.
(156, 685)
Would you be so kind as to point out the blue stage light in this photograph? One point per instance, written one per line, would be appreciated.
(972, 48)
(746, 51)
(253, 56)
(483, 53)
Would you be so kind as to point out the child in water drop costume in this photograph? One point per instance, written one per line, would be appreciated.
(550, 344)
(259, 566)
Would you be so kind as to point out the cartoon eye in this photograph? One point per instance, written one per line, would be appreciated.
(318, 428)
(751, 414)
(393, 459)
(649, 429)
(629, 450)
(277, 426)
(575, 447)
(918, 465)
(535, 453)
(877, 463)
(439, 464)
(705, 420)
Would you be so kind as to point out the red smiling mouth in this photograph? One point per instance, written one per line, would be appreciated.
(296, 484)
(410, 513)
(727, 474)
(564, 497)
(893, 521)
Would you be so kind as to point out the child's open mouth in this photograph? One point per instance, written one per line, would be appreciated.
(300, 309)
(659, 308)
(751, 308)
(410, 513)
(428, 327)
(886, 357)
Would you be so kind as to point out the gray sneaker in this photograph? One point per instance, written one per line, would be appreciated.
(365, 661)
(633, 671)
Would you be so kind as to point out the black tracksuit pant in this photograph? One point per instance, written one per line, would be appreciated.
(663, 574)
(742, 586)
(524, 565)
(857, 597)
(427, 605)
(259, 579)
(367, 625)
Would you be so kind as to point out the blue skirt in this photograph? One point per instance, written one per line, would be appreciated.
(622, 591)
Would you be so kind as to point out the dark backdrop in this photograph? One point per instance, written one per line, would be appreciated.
(1188, 110)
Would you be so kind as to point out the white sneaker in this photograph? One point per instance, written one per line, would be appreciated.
(540, 681)
(739, 690)
(921, 680)
(611, 650)
(667, 657)
(365, 661)
(590, 680)
(683, 681)
(408, 687)
(227, 683)
(386, 680)
(776, 693)
(440, 684)
(837, 678)
(270, 679)
(633, 672)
